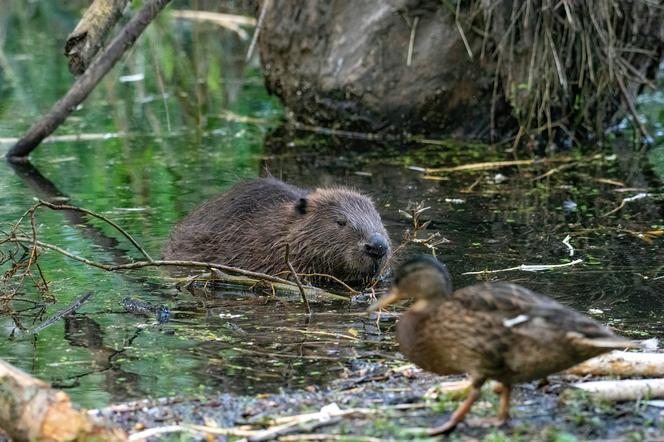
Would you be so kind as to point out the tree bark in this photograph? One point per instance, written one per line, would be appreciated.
(86, 82)
(31, 410)
(88, 37)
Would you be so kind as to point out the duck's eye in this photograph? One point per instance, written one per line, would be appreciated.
(341, 222)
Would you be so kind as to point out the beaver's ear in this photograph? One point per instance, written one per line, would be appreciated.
(301, 206)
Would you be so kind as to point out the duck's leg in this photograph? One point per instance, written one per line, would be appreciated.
(504, 408)
(461, 410)
(505, 391)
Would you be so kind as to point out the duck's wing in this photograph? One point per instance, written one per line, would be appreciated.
(528, 313)
(500, 298)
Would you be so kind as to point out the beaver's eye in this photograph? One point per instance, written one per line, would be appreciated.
(341, 222)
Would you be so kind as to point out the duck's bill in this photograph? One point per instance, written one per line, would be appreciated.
(386, 300)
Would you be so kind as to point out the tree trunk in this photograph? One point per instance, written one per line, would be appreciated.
(472, 69)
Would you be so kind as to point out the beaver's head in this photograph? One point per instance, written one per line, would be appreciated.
(340, 231)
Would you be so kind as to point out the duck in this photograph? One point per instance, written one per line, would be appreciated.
(492, 331)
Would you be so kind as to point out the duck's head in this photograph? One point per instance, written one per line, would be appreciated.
(422, 277)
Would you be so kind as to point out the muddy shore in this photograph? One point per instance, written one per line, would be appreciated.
(391, 404)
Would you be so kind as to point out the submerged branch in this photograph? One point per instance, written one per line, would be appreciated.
(59, 315)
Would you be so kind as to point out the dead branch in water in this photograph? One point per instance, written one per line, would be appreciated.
(88, 37)
(31, 246)
(72, 307)
(86, 82)
(32, 410)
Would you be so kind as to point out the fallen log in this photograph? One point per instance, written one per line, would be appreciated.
(622, 364)
(623, 390)
(31, 410)
(86, 82)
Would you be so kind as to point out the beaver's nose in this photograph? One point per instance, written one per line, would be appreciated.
(377, 246)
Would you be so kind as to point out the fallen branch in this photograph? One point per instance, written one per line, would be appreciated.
(225, 273)
(88, 37)
(31, 410)
(86, 82)
(155, 263)
(622, 364)
(527, 268)
(624, 390)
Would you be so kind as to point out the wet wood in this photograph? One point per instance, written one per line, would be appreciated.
(31, 410)
(86, 82)
(624, 390)
(88, 37)
(622, 364)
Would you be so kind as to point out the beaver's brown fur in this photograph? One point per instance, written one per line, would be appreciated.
(335, 231)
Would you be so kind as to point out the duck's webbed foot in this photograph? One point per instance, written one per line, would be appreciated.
(461, 410)
(503, 409)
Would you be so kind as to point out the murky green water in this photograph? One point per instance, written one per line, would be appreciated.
(201, 120)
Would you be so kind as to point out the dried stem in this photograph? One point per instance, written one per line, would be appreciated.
(297, 281)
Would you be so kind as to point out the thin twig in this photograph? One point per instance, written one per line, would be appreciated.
(297, 281)
(259, 26)
(411, 43)
(463, 35)
(101, 217)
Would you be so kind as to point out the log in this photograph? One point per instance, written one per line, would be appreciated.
(31, 410)
(86, 82)
(622, 364)
(88, 36)
(623, 390)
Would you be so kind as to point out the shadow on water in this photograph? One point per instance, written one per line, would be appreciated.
(208, 123)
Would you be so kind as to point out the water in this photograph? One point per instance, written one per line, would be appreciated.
(201, 120)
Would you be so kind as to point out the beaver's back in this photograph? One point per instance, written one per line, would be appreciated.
(224, 226)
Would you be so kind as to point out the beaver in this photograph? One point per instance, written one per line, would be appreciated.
(335, 231)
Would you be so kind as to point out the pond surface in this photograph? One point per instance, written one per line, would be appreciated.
(196, 120)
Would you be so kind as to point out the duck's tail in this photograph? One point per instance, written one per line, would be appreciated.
(607, 342)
